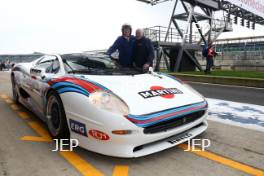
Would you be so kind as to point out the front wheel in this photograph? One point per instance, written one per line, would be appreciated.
(14, 90)
(56, 118)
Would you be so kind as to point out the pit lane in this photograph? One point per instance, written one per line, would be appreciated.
(25, 147)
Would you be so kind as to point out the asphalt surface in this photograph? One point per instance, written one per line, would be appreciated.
(231, 93)
(235, 151)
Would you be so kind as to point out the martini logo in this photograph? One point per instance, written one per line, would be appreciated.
(160, 91)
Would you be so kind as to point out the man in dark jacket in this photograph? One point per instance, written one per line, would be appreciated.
(124, 44)
(143, 52)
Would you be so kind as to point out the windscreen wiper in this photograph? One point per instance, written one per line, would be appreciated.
(91, 71)
(80, 71)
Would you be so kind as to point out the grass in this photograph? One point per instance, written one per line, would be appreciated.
(241, 74)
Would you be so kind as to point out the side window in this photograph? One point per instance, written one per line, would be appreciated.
(55, 67)
(45, 63)
(50, 63)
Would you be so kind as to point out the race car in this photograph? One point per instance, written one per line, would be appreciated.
(121, 112)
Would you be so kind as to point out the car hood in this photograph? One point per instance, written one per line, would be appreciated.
(142, 92)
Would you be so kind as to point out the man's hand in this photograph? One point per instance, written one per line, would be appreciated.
(145, 67)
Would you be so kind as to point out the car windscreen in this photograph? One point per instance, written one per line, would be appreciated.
(94, 65)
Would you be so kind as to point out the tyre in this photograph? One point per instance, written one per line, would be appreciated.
(56, 118)
(14, 90)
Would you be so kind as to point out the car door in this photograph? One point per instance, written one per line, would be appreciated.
(24, 76)
(50, 66)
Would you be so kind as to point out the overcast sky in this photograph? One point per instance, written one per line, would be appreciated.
(63, 26)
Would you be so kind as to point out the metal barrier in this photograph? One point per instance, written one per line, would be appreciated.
(158, 34)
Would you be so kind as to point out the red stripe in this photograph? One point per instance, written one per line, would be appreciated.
(164, 116)
(85, 84)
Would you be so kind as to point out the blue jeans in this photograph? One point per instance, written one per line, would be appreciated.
(209, 63)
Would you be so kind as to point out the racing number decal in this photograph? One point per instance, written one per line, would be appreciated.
(99, 135)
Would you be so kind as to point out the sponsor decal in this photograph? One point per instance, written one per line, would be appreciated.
(99, 135)
(78, 127)
(161, 92)
(178, 139)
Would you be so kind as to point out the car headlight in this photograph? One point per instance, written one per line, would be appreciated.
(109, 102)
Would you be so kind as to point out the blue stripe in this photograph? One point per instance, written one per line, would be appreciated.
(150, 116)
(56, 85)
(166, 119)
(71, 89)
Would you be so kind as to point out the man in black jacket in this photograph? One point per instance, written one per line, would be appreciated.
(143, 52)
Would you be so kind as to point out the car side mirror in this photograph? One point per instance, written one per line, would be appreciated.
(114, 56)
(151, 70)
(37, 73)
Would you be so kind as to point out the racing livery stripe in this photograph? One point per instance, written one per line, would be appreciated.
(66, 84)
(63, 85)
(95, 83)
(73, 84)
(166, 112)
(145, 123)
(84, 84)
(147, 120)
(70, 89)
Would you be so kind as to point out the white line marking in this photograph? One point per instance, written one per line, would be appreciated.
(223, 85)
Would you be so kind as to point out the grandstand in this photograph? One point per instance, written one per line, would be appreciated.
(244, 53)
(253, 44)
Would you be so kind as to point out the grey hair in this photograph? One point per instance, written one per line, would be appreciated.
(140, 30)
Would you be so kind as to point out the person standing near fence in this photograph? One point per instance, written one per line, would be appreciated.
(210, 54)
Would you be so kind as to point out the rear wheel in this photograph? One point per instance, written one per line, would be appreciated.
(56, 118)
